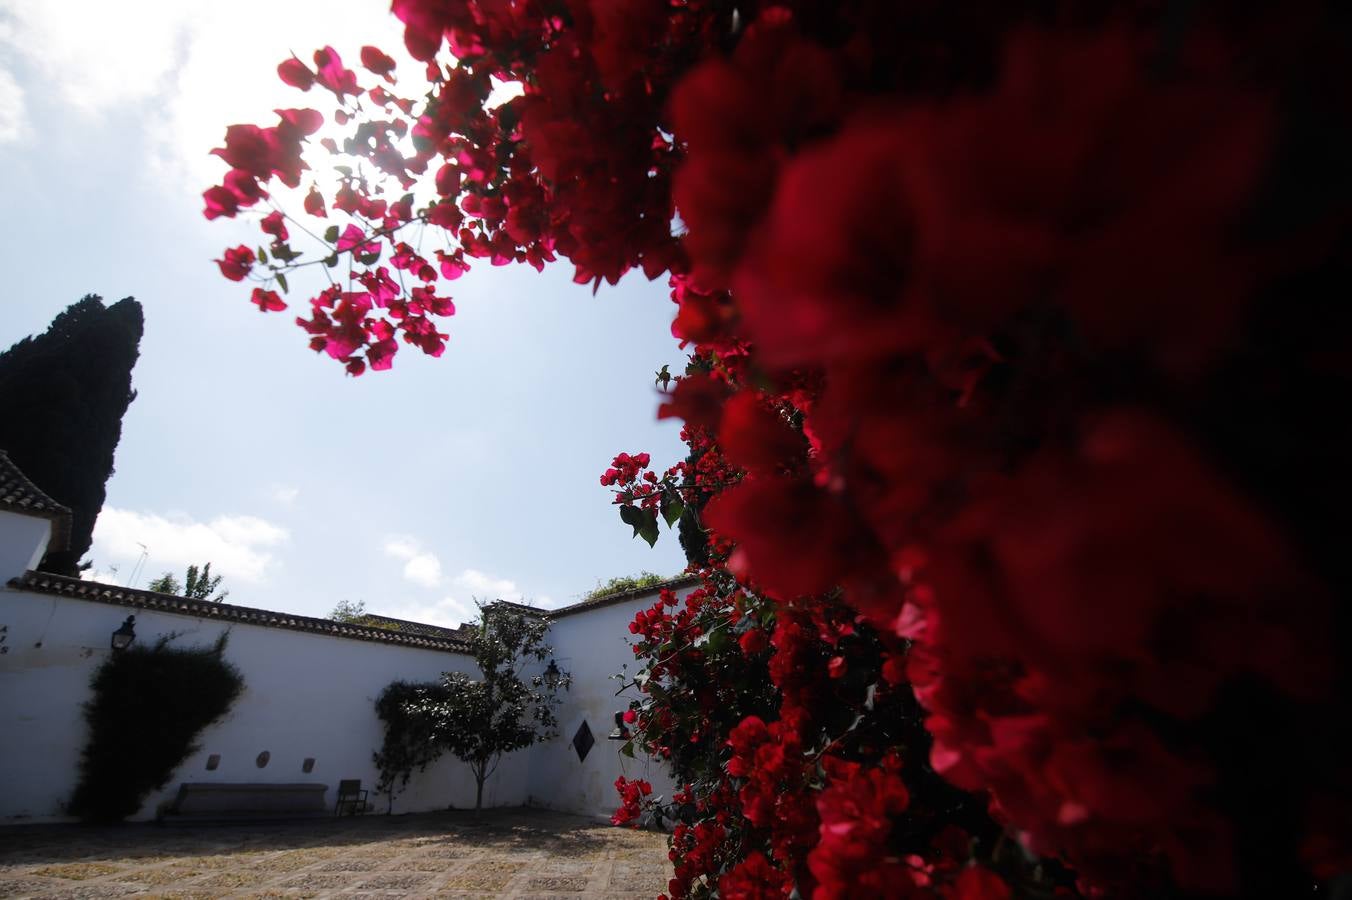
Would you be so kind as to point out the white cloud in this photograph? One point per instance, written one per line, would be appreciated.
(13, 115)
(102, 576)
(237, 547)
(486, 587)
(453, 609)
(99, 56)
(423, 569)
(401, 546)
(420, 567)
(448, 612)
(284, 494)
(194, 67)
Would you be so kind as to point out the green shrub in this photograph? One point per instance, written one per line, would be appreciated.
(624, 583)
(149, 704)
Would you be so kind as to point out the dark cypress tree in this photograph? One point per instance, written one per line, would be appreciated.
(62, 397)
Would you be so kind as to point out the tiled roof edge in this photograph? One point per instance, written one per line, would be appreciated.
(93, 591)
(20, 495)
(423, 628)
(676, 583)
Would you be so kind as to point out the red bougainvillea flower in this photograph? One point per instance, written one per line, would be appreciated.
(267, 301)
(374, 60)
(296, 73)
(794, 539)
(250, 148)
(274, 223)
(920, 226)
(754, 641)
(332, 75)
(266, 152)
(624, 469)
(631, 797)
(237, 263)
(704, 317)
(851, 859)
(754, 436)
(977, 883)
(380, 354)
(314, 203)
(754, 878)
(220, 201)
(354, 239)
(738, 120)
(697, 399)
(1136, 519)
(297, 123)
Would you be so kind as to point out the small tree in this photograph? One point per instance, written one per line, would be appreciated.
(499, 713)
(197, 584)
(349, 611)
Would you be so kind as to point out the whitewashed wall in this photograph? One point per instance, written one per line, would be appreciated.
(305, 695)
(592, 646)
(23, 541)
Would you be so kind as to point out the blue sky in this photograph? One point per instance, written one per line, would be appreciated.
(413, 490)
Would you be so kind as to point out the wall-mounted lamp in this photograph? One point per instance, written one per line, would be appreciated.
(555, 677)
(123, 637)
(621, 732)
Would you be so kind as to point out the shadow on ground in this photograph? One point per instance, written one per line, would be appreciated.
(501, 853)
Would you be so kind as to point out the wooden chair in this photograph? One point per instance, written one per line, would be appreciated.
(351, 797)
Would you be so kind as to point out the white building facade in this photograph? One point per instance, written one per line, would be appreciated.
(307, 713)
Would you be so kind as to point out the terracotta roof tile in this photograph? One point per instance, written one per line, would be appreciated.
(18, 494)
(78, 589)
(379, 621)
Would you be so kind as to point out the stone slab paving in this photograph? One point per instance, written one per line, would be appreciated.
(518, 853)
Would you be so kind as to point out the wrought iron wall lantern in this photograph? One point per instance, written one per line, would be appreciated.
(123, 637)
(621, 732)
(555, 677)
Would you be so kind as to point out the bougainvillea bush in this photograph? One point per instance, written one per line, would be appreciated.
(1016, 406)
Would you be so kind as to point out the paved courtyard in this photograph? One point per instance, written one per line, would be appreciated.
(515, 853)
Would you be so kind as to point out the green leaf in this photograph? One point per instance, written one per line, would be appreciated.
(331, 261)
(331, 234)
(281, 280)
(628, 749)
(649, 530)
(672, 509)
(632, 515)
(262, 254)
(664, 376)
(643, 521)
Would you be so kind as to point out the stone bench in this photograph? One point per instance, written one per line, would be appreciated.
(206, 800)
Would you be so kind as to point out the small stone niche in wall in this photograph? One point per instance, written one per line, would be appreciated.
(309, 765)
(262, 759)
(213, 762)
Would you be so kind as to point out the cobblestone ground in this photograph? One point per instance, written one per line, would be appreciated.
(508, 853)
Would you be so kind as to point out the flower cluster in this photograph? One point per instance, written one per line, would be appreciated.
(631, 800)
(1013, 473)
(624, 469)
